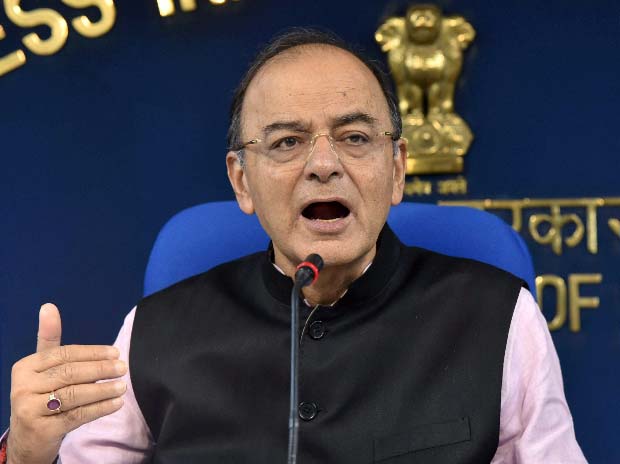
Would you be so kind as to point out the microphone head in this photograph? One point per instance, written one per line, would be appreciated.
(307, 271)
(316, 260)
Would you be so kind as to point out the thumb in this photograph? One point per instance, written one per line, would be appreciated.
(49, 327)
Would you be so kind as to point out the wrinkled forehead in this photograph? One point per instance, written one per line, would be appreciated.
(315, 84)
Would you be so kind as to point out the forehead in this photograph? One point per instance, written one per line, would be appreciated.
(313, 84)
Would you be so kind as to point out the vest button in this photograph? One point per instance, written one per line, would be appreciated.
(308, 411)
(317, 330)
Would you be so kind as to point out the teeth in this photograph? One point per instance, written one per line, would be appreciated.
(326, 220)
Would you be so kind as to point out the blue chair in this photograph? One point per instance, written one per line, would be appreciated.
(201, 237)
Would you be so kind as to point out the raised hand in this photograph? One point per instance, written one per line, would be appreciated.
(53, 391)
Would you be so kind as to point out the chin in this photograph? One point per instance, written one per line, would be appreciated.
(339, 252)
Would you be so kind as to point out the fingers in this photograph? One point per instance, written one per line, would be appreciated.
(50, 328)
(78, 373)
(70, 353)
(75, 396)
(70, 373)
(81, 415)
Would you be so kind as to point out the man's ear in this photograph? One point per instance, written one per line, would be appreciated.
(400, 167)
(238, 179)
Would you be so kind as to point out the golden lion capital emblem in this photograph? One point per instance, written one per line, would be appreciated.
(425, 56)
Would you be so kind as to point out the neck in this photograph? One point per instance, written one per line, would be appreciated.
(333, 280)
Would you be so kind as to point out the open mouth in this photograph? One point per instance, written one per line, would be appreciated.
(325, 211)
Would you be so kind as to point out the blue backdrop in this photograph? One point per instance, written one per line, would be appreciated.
(102, 142)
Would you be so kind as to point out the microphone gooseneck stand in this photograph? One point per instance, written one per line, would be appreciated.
(306, 274)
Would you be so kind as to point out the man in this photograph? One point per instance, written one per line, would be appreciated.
(419, 357)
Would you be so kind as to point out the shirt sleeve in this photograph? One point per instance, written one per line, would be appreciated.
(535, 422)
(119, 438)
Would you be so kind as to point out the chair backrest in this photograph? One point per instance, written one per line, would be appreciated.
(201, 237)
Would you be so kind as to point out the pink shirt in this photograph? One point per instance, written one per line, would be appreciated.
(535, 423)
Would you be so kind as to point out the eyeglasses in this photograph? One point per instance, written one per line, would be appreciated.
(295, 149)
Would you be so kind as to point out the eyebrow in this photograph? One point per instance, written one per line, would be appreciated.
(337, 122)
(350, 118)
(296, 126)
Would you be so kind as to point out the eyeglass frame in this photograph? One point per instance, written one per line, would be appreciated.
(239, 151)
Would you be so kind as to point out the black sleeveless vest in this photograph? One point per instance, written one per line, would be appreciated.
(405, 368)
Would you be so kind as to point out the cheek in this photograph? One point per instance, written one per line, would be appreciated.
(376, 191)
(272, 193)
(278, 186)
(380, 180)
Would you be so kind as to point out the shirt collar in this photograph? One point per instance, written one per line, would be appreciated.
(370, 283)
(306, 302)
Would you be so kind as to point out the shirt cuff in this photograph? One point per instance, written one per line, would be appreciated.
(3, 448)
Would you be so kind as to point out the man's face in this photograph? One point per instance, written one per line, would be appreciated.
(326, 205)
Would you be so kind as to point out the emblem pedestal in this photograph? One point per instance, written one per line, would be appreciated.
(434, 165)
(437, 143)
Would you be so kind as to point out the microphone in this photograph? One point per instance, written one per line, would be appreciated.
(308, 270)
(306, 273)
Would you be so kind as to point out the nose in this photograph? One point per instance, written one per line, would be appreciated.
(323, 162)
